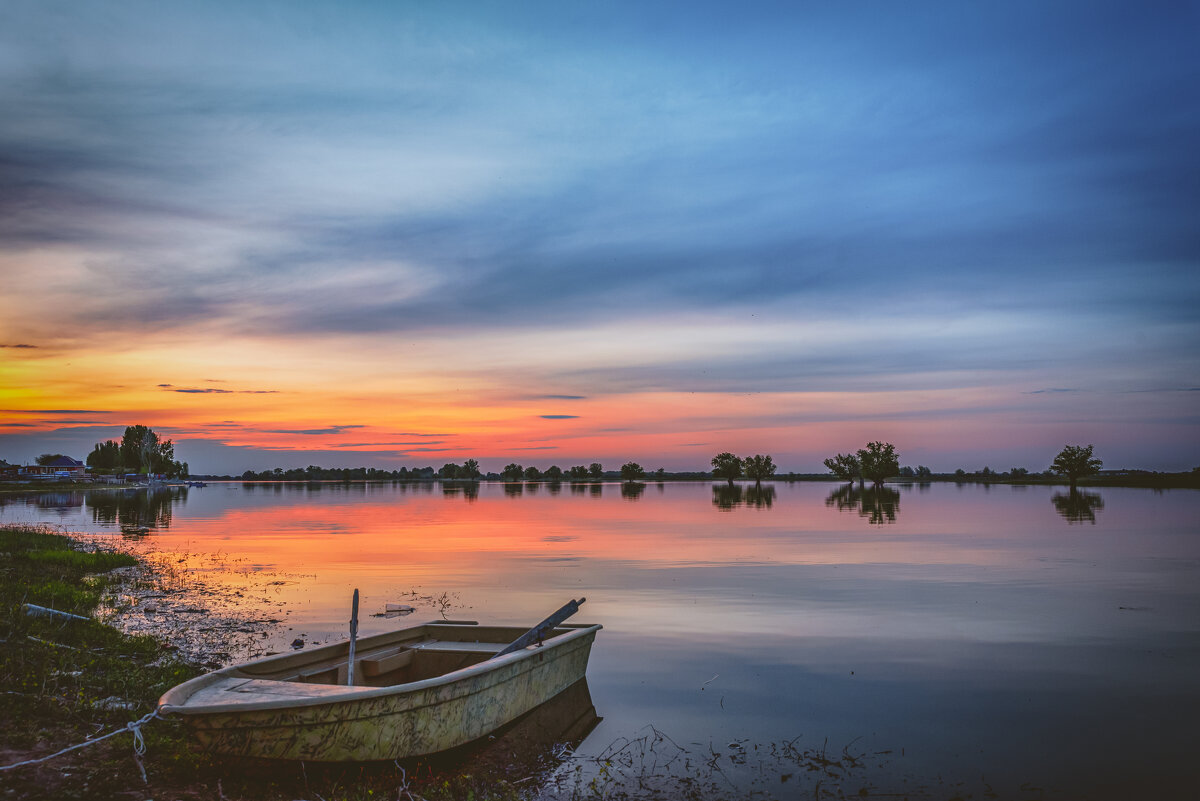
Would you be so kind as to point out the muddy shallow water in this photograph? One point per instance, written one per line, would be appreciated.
(925, 640)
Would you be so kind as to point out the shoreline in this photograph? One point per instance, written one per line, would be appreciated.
(68, 682)
(1132, 480)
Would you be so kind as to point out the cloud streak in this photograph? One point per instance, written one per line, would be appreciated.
(593, 202)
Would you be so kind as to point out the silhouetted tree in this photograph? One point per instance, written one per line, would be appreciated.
(532, 473)
(47, 458)
(141, 449)
(1075, 462)
(758, 467)
(105, 456)
(512, 472)
(596, 470)
(845, 466)
(879, 461)
(727, 466)
(449, 471)
(470, 469)
(632, 471)
(554, 473)
(923, 471)
(578, 472)
(1018, 472)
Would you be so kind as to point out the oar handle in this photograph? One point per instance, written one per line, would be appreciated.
(538, 632)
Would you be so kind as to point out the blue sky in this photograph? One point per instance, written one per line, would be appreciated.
(863, 198)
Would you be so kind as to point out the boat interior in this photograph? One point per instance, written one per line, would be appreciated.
(397, 657)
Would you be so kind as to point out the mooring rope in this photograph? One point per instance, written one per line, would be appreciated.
(134, 726)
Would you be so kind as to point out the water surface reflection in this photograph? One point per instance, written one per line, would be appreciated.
(1078, 506)
(878, 504)
(730, 496)
(968, 635)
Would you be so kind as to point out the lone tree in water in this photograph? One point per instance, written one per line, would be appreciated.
(1075, 462)
(879, 461)
(632, 471)
(727, 466)
(845, 466)
(759, 467)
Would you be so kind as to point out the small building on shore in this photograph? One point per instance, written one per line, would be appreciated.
(58, 467)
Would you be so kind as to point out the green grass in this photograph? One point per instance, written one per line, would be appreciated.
(56, 675)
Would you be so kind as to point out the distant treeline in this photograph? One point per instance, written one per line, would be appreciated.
(877, 462)
(1109, 478)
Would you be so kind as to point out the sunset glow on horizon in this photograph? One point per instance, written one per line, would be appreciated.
(404, 236)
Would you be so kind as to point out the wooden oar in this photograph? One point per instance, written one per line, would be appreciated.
(539, 632)
(353, 639)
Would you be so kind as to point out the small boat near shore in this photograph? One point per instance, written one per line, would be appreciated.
(410, 692)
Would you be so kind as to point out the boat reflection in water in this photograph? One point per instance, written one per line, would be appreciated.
(527, 750)
(535, 743)
(878, 504)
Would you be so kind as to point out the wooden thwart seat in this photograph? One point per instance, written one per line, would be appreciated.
(386, 664)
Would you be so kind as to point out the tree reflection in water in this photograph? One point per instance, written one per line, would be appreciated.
(878, 504)
(133, 511)
(469, 490)
(1078, 507)
(729, 496)
(632, 490)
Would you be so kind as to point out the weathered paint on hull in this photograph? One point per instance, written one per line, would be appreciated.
(423, 721)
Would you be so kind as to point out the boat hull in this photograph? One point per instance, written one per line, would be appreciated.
(413, 719)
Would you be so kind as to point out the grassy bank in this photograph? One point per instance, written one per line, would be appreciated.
(65, 681)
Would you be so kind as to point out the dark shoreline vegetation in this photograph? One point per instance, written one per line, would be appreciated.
(142, 451)
(1124, 478)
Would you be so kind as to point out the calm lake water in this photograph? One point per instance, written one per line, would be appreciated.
(951, 639)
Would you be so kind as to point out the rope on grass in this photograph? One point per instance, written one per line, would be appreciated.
(134, 726)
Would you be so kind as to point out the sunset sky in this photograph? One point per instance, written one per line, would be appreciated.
(405, 234)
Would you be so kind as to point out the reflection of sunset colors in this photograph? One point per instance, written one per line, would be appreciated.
(943, 632)
(524, 551)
